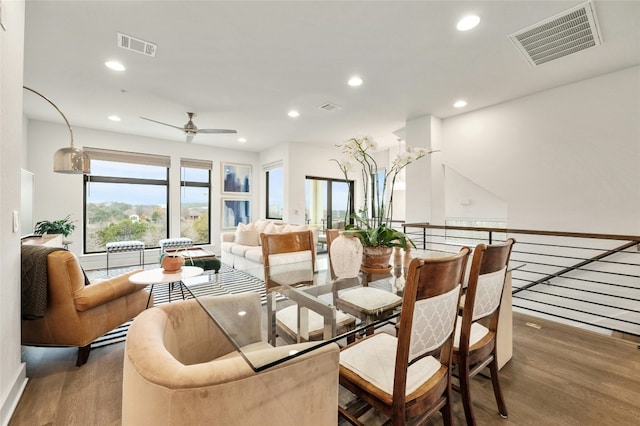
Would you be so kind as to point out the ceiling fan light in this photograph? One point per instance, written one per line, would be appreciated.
(71, 160)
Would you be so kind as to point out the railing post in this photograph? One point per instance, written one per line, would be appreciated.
(490, 237)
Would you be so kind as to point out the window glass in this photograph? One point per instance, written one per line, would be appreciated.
(275, 193)
(195, 204)
(124, 201)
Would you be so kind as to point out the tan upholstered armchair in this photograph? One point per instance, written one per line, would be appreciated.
(180, 369)
(76, 314)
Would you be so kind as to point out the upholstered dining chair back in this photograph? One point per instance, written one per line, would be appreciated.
(475, 345)
(409, 377)
(288, 254)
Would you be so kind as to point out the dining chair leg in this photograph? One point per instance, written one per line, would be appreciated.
(465, 393)
(497, 390)
(447, 411)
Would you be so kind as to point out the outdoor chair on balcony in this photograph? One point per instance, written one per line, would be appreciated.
(409, 377)
(475, 343)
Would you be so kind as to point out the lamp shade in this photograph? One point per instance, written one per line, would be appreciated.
(71, 160)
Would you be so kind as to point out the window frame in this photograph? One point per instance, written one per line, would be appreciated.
(267, 197)
(203, 165)
(128, 158)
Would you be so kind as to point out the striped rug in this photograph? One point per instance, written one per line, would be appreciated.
(226, 281)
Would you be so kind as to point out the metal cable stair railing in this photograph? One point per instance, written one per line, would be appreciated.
(590, 281)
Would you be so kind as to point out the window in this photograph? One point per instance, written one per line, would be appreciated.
(195, 200)
(328, 202)
(275, 193)
(125, 198)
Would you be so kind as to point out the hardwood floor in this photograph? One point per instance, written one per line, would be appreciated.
(558, 376)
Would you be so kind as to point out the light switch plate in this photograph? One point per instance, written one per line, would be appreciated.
(16, 221)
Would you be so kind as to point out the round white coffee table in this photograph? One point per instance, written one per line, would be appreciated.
(158, 276)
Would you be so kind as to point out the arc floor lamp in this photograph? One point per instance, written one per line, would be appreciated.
(69, 160)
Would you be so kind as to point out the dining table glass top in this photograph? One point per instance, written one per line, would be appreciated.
(312, 306)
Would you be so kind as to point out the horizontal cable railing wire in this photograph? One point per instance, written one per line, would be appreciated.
(584, 279)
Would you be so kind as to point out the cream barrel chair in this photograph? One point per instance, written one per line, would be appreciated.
(180, 369)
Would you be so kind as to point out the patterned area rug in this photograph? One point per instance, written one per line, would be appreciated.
(226, 281)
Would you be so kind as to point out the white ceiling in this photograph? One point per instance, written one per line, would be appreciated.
(243, 64)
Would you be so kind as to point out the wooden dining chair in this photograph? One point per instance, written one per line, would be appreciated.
(409, 377)
(475, 343)
(331, 235)
(288, 253)
(291, 257)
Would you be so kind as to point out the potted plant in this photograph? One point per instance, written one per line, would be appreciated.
(372, 224)
(61, 226)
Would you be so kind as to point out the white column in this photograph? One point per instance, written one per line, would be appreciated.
(425, 177)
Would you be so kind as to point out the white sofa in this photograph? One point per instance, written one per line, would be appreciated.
(241, 248)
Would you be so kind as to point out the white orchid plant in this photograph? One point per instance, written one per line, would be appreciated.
(374, 218)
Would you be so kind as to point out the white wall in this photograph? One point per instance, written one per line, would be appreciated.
(57, 195)
(465, 199)
(12, 370)
(566, 159)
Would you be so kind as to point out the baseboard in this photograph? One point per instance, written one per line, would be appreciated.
(12, 398)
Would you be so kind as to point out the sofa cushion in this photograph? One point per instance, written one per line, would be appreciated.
(274, 228)
(240, 250)
(261, 224)
(254, 254)
(226, 246)
(247, 238)
(247, 235)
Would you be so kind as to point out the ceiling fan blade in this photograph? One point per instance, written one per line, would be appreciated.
(164, 124)
(217, 131)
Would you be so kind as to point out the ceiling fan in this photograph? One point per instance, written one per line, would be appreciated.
(190, 129)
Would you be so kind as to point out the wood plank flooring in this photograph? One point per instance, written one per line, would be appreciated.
(558, 376)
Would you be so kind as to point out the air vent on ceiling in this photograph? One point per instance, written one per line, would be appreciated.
(137, 45)
(329, 107)
(561, 35)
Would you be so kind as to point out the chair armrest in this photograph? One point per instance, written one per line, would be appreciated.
(228, 237)
(105, 291)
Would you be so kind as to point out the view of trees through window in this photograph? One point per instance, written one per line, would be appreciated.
(195, 204)
(124, 201)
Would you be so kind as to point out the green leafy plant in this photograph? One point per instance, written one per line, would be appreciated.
(380, 235)
(61, 226)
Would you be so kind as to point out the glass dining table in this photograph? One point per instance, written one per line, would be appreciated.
(371, 305)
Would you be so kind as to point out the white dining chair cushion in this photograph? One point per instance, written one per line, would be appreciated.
(289, 318)
(374, 359)
(371, 300)
(478, 331)
(488, 293)
(433, 321)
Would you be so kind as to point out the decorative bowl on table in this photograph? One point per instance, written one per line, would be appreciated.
(172, 263)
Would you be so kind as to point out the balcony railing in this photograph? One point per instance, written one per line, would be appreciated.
(590, 281)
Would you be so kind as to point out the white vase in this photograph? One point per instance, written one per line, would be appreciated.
(346, 255)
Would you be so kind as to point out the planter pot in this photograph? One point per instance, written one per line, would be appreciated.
(376, 257)
(346, 255)
(172, 263)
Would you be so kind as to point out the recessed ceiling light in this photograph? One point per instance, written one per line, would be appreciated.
(293, 113)
(114, 65)
(468, 22)
(242, 140)
(460, 104)
(114, 118)
(355, 81)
